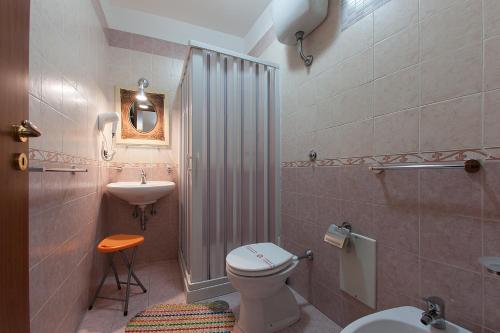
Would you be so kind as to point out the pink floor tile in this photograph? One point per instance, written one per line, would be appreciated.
(164, 284)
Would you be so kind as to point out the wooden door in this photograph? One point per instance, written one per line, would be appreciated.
(14, 64)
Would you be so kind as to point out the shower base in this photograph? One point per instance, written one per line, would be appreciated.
(199, 291)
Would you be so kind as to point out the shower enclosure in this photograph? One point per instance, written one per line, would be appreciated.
(229, 162)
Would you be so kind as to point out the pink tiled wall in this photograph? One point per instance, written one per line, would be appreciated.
(68, 50)
(132, 57)
(431, 227)
(412, 77)
(162, 233)
(74, 67)
(413, 81)
(124, 68)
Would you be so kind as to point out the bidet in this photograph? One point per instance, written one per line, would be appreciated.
(405, 319)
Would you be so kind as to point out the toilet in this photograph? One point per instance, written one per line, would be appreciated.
(258, 272)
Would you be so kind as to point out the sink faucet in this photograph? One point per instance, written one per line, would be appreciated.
(434, 315)
(143, 177)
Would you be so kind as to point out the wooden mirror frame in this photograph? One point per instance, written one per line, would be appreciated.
(126, 134)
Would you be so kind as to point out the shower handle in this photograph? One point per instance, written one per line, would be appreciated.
(189, 162)
(192, 162)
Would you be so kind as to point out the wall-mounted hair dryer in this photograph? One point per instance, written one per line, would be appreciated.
(106, 118)
(102, 120)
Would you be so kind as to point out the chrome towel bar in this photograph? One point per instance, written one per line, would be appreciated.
(470, 166)
(72, 170)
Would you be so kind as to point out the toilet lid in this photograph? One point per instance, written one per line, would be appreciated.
(258, 259)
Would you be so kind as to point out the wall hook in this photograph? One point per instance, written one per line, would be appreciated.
(313, 156)
(308, 60)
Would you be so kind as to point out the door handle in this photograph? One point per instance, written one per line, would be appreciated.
(26, 130)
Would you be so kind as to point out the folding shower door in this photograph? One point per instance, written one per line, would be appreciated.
(229, 158)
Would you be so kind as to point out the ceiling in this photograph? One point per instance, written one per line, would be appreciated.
(234, 17)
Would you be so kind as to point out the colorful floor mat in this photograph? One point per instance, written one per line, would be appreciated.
(192, 318)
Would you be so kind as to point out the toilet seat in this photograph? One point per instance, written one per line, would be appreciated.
(256, 260)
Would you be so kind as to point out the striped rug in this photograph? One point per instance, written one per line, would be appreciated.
(192, 318)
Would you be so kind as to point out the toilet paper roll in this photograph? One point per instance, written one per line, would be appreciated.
(336, 236)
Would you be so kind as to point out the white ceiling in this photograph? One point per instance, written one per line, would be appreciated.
(234, 17)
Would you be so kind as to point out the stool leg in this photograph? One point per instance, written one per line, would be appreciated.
(138, 282)
(125, 261)
(114, 271)
(130, 265)
(99, 288)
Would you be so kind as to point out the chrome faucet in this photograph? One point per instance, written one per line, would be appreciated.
(143, 177)
(434, 315)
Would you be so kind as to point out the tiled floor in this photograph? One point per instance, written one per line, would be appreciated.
(311, 320)
(164, 284)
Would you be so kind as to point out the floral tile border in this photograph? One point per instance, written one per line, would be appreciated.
(424, 157)
(56, 157)
(140, 165)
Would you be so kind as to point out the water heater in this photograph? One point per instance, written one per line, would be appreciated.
(291, 16)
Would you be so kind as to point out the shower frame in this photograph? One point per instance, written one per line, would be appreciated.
(230, 170)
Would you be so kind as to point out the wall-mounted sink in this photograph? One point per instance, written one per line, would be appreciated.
(139, 194)
(405, 319)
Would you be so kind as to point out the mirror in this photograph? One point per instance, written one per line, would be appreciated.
(143, 121)
(143, 116)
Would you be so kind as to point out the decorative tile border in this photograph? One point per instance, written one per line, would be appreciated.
(140, 165)
(56, 157)
(425, 157)
(493, 153)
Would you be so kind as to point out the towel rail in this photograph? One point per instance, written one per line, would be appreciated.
(470, 166)
(43, 169)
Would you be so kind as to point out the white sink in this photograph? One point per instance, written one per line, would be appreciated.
(405, 319)
(139, 194)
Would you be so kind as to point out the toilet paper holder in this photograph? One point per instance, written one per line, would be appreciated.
(346, 226)
(339, 235)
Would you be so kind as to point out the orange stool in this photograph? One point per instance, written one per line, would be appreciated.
(120, 243)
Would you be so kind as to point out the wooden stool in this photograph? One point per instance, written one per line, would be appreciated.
(111, 245)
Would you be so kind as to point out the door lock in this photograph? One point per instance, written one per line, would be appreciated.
(26, 130)
(21, 161)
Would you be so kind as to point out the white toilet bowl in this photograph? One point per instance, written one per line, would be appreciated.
(259, 272)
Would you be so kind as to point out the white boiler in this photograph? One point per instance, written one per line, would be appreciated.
(292, 16)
